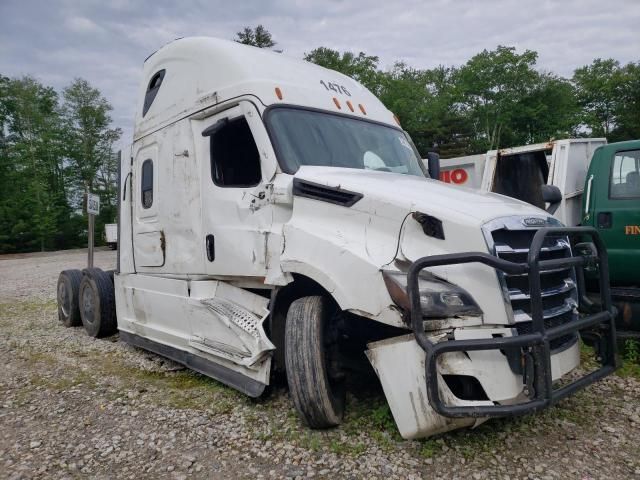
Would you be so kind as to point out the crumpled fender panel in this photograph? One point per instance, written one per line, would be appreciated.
(399, 363)
(343, 250)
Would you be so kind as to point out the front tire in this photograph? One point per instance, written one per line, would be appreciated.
(318, 394)
(97, 303)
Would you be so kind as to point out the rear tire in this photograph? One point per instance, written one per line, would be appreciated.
(318, 399)
(67, 293)
(97, 303)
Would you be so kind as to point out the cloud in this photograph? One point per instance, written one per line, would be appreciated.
(106, 42)
(82, 25)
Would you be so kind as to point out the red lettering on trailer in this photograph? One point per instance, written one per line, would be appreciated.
(457, 176)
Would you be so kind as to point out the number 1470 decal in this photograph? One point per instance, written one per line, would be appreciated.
(335, 87)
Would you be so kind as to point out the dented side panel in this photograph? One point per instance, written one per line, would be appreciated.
(203, 318)
(167, 235)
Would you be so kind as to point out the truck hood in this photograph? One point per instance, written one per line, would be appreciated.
(386, 193)
(343, 245)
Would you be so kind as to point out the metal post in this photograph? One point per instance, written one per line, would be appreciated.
(93, 209)
(91, 227)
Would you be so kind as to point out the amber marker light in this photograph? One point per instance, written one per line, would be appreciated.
(350, 105)
(335, 100)
(397, 120)
(362, 109)
(278, 93)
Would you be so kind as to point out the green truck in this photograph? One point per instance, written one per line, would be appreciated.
(611, 204)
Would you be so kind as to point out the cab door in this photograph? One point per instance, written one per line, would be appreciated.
(617, 214)
(237, 164)
(148, 237)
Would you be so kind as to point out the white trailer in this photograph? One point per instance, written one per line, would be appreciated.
(463, 171)
(521, 172)
(111, 235)
(275, 220)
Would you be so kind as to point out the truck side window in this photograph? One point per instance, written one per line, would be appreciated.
(152, 90)
(235, 161)
(147, 183)
(625, 175)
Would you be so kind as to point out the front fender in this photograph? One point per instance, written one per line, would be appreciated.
(330, 247)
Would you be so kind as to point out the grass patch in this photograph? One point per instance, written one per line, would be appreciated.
(367, 415)
(472, 443)
(59, 383)
(351, 448)
(430, 447)
(630, 353)
(365, 419)
(183, 389)
(27, 312)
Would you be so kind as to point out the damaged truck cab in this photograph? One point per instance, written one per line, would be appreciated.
(275, 219)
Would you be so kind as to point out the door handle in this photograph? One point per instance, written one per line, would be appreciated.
(211, 248)
(604, 220)
(588, 194)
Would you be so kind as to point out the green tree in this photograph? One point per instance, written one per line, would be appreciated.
(425, 103)
(362, 68)
(89, 137)
(598, 89)
(491, 87)
(33, 202)
(49, 156)
(628, 107)
(549, 111)
(106, 183)
(421, 99)
(258, 37)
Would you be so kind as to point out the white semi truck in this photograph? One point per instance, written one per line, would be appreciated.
(275, 220)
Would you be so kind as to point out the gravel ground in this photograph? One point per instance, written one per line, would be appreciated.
(75, 407)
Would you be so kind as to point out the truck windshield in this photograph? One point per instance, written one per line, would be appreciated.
(306, 137)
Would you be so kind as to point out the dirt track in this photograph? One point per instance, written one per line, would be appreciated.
(72, 406)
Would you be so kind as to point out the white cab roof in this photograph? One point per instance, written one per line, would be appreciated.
(201, 72)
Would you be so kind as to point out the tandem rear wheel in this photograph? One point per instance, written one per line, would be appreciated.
(67, 294)
(87, 298)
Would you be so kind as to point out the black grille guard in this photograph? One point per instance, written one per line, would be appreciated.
(534, 347)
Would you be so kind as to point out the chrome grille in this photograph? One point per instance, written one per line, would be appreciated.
(559, 291)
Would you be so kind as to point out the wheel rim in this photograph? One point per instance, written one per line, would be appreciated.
(63, 299)
(87, 305)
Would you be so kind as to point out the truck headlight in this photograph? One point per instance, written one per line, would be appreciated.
(438, 298)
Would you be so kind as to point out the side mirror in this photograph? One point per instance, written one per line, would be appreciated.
(433, 164)
(553, 196)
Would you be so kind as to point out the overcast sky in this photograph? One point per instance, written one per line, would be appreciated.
(106, 41)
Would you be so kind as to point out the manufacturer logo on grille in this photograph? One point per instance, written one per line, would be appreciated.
(534, 222)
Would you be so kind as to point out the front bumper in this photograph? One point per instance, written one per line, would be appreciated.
(400, 365)
(533, 349)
